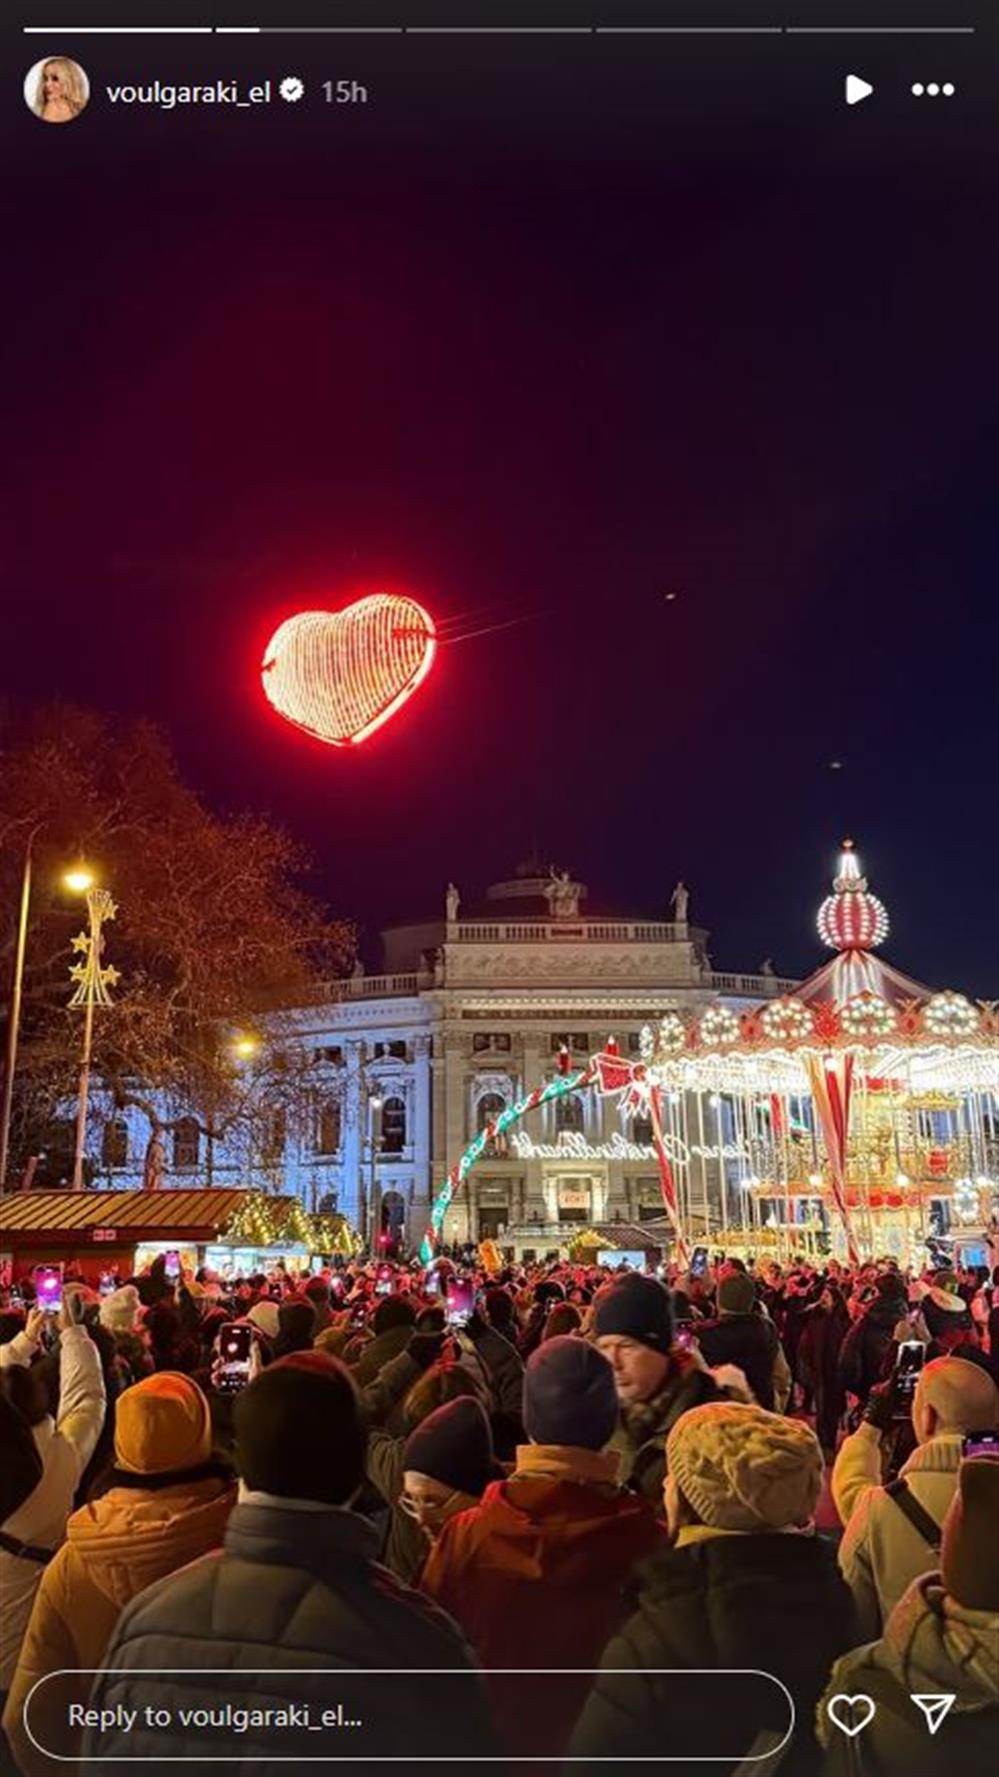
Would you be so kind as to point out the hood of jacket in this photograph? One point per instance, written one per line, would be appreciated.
(127, 1538)
(934, 1644)
(553, 1528)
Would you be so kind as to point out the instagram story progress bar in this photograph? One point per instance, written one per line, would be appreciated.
(759, 28)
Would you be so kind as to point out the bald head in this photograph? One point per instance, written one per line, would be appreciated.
(956, 1396)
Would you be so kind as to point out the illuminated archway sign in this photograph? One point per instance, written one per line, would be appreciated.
(611, 1075)
(340, 675)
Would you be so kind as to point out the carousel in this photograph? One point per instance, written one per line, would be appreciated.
(857, 1116)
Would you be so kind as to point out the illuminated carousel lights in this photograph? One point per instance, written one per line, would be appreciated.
(719, 1027)
(966, 1200)
(950, 1015)
(868, 1015)
(671, 1036)
(787, 1021)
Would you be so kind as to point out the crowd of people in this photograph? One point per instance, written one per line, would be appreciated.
(447, 1476)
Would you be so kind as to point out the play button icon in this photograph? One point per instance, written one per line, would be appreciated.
(855, 89)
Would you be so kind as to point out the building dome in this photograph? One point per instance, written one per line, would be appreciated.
(851, 918)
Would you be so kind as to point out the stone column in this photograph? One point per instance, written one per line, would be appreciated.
(353, 1133)
(424, 1183)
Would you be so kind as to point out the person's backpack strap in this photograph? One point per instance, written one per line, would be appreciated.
(24, 1551)
(918, 1516)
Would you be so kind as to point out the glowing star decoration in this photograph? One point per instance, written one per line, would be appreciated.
(719, 1027)
(950, 1015)
(787, 1021)
(340, 675)
(868, 1015)
(851, 918)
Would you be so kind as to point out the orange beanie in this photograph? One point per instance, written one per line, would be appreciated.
(162, 1423)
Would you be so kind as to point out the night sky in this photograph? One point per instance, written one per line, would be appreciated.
(549, 328)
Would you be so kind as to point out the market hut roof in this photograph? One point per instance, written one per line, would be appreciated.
(201, 1213)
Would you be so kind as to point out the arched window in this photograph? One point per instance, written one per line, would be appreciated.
(326, 1124)
(186, 1145)
(569, 1114)
(490, 1105)
(393, 1126)
(114, 1143)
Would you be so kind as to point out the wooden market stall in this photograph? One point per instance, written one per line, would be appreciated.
(227, 1229)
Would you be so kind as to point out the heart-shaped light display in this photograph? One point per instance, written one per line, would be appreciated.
(342, 674)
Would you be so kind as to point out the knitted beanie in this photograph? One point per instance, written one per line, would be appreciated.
(741, 1468)
(969, 1555)
(299, 1431)
(635, 1307)
(736, 1294)
(162, 1423)
(120, 1311)
(569, 1395)
(454, 1445)
(264, 1316)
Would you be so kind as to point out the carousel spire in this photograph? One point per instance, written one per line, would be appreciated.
(850, 918)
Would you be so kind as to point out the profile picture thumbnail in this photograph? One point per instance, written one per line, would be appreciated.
(56, 89)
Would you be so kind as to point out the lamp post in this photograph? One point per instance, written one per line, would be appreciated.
(14, 1020)
(92, 983)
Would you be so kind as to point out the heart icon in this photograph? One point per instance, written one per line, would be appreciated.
(341, 674)
(850, 1714)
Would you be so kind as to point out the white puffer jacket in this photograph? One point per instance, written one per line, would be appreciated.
(65, 1445)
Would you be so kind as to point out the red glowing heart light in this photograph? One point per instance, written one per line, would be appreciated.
(340, 675)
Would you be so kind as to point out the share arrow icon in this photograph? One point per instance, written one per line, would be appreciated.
(935, 1709)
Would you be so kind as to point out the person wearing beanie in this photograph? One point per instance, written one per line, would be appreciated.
(448, 1462)
(563, 1318)
(34, 1524)
(743, 1583)
(120, 1311)
(317, 1290)
(164, 1502)
(952, 1330)
(265, 1317)
(656, 1381)
(892, 1533)
(535, 1573)
(296, 1327)
(742, 1335)
(295, 1591)
(392, 1325)
(942, 1638)
(867, 1351)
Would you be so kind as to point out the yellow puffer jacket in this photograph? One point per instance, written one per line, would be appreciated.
(115, 1547)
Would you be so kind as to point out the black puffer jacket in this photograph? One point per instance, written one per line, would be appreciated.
(747, 1340)
(864, 1357)
(771, 1603)
(291, 1589)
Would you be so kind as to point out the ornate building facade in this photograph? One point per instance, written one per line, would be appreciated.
(473, 1009)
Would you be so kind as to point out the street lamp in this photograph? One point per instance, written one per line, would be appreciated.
(92, 982)
(245, 1046)
(14, 1020)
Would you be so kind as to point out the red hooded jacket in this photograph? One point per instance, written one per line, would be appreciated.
(536, 1575)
